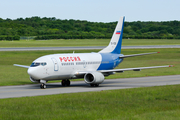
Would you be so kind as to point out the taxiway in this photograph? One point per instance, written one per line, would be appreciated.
(81, 86)
(84, 48)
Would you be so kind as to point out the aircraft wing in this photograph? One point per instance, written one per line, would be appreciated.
(24, 66)
(134, 69)
(82, 73)
(125, 56)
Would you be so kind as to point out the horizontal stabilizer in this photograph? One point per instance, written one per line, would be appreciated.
(125, 56)
(24, 66)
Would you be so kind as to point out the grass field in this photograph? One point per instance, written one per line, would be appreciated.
(85, 42)
(11, 75)
(137, 104)
(153, 103)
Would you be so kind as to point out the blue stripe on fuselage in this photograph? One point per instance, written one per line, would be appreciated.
(109, 61)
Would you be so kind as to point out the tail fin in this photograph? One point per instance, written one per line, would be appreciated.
(116, 40)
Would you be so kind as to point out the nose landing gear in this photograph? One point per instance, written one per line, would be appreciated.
(65, 82)
(43, 84)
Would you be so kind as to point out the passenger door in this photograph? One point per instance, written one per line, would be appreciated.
(56, 66)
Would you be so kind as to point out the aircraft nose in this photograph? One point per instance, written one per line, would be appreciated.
(32, 72)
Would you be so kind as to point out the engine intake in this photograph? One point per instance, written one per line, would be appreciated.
(94, 78)
(33, 80)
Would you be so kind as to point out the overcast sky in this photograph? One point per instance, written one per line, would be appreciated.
(93, 10)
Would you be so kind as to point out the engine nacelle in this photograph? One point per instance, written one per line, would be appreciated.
(33, 80)
(94, 78)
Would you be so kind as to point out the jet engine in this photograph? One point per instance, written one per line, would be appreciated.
(34, 80)
(94, 78)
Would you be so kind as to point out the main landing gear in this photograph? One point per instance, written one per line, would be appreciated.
(94, 85)
(65, 82)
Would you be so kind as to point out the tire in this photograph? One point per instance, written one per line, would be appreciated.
(94, 85)
(68, 82)
(43, 86)
(63, 83)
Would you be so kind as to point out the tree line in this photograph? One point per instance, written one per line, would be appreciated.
(52, 28)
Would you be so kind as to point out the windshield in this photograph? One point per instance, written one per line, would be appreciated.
(34, 64)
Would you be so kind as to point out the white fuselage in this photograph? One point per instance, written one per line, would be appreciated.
(69, 66)
(65, 66)
(90, 66)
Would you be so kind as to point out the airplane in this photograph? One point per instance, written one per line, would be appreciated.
(93, 67)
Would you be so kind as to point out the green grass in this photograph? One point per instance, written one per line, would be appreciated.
(157, 103)
(150, 42)
(138, 103)
(11, 75)
(54, 43)
(85, 42)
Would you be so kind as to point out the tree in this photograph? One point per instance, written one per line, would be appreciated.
(53, 28)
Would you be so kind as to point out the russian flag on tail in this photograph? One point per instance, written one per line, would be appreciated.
(118, 32)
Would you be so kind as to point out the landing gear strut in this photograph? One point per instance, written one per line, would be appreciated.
(65, 82)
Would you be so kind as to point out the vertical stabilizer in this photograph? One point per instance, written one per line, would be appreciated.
(116, 40)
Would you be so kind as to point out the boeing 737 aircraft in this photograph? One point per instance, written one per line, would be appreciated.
(90, 66)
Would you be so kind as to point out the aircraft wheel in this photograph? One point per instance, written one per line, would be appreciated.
(68, 82)
(92, 85)
(42, 86)
(63, 82)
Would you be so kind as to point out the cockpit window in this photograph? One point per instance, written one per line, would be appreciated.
(43, 64)
(35, 64)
